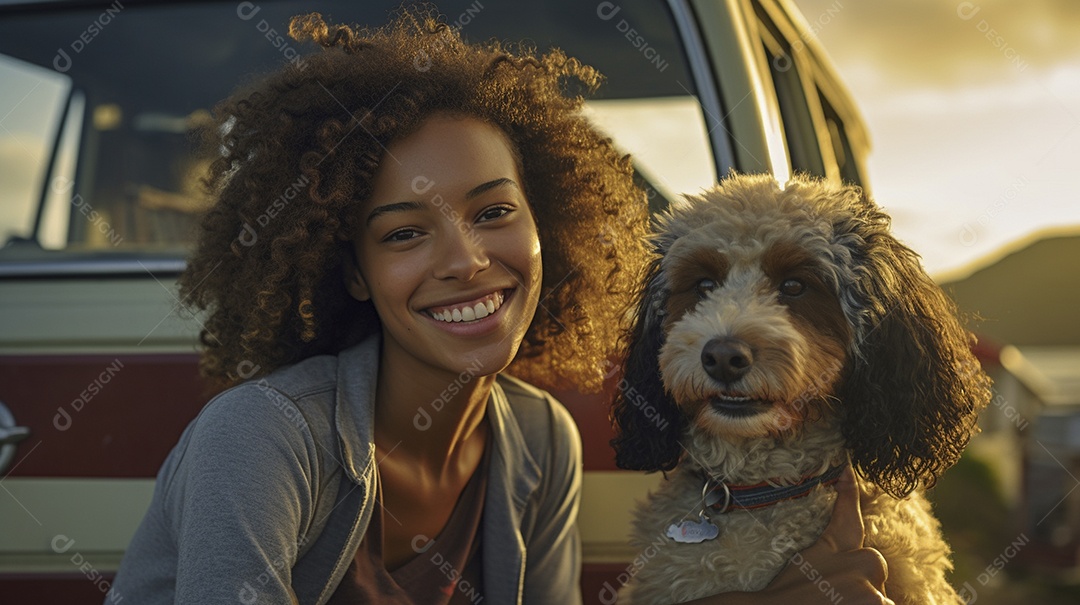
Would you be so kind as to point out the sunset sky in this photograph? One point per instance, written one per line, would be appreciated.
(973, 110)
(974, 115)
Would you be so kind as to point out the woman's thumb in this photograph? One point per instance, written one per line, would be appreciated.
(845, 529)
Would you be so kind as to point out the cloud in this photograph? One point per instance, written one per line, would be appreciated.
(964, 100)
(945, 42)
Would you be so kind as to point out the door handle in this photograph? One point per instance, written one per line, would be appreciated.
(10, 436)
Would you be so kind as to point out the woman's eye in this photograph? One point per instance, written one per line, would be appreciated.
(401, 235)
(792, 287)
(495, 212)
(705, 286)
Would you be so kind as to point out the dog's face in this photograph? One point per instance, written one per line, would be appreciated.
(755, 336)
(766, 308)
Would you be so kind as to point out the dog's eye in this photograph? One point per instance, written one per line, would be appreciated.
(705, 286)
(792, 287)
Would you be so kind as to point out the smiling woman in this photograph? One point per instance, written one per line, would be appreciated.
(332, 122)
(440, 235)
(455, 279)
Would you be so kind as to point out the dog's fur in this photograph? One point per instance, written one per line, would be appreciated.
(869, 362)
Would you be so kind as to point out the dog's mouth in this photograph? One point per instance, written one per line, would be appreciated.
(737, 404)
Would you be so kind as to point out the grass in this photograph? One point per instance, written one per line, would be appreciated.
(978, 523)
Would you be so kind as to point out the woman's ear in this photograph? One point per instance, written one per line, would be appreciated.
(354, 281)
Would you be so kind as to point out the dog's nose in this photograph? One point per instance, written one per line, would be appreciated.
(727, 359)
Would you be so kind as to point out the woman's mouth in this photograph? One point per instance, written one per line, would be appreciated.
(469, 311)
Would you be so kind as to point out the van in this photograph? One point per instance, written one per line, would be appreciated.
(99, 196)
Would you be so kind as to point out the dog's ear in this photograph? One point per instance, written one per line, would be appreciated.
(647, 422)
(914, 388)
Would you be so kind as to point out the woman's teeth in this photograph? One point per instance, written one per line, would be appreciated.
(474, 312)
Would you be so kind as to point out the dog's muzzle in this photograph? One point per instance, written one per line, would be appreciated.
(727, 360)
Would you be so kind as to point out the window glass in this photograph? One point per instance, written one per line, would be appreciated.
(667, 138)
(841, 144)
(56, 218)
(32, 100)
(113, 97)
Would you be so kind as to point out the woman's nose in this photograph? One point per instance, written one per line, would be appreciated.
(462, 253)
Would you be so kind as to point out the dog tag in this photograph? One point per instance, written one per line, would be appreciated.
(692, 532)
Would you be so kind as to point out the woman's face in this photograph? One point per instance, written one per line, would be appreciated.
(448, 250)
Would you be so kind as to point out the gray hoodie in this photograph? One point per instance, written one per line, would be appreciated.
(267, 494)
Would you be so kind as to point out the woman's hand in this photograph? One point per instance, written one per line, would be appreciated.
(837, 564)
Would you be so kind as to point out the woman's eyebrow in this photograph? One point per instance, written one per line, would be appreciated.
(395, 207)
(414, 205)
(479, 189)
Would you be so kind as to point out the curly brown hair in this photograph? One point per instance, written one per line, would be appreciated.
(297, 152)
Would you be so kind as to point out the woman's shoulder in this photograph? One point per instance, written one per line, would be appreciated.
(517, 389)
(311, 376)
(526, 397)
(282, 422)
(296, 399)
(538, 411)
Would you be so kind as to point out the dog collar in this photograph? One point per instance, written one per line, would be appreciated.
(721, 497)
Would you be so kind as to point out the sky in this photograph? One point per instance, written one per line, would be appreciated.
(973, 110)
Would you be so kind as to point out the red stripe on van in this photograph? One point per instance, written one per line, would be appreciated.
(599, 581)
(591, 414)
(118, 416)
(99, 415)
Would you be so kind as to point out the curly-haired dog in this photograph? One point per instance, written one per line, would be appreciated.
(781, 332)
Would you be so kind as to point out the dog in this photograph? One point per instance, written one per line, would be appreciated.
(782, 332)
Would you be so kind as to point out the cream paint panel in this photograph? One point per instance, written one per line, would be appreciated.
(607, 501)
(101, 515)
(94, 316)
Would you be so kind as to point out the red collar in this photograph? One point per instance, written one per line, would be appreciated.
(722, 497)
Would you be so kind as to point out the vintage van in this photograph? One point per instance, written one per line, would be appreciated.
(99, 193)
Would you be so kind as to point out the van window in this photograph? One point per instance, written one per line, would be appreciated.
(841, 144)
(114, 95)
(32, 104)
(784, 69)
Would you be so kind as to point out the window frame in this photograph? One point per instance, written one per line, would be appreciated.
(819, 81)
(802, 139)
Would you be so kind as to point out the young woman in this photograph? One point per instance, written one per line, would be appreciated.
(397, 221)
